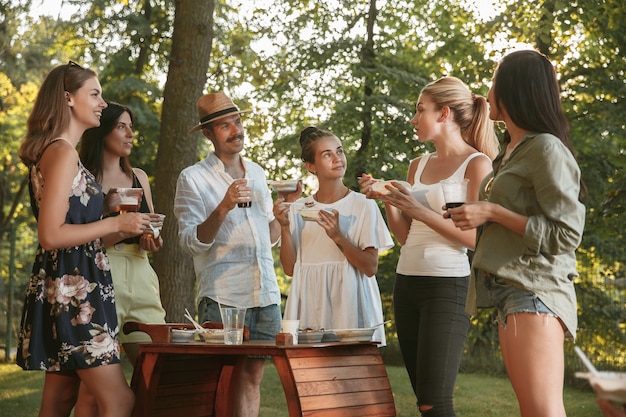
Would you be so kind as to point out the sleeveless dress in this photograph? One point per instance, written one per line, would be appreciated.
(69, 319)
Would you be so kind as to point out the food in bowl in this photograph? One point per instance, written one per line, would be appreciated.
(284, 186)
(379, 186)
(211, 335)
(355, 335)
(311, 214)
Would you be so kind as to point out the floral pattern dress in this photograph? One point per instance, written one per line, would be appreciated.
(69, 319)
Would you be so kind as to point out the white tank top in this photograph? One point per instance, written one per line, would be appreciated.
(426, 252)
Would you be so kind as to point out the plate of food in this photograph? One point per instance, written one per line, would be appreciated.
(211, 335)
(354, 335)
(379, 186)
(310, 335)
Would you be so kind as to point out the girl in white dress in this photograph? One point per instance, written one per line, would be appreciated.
(333, 258)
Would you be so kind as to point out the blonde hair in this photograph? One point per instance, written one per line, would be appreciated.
(470, 112)
(50, 115)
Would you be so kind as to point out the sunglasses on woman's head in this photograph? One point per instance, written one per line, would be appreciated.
(69, 64)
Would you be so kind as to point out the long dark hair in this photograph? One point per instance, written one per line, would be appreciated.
(526, 86)
(92, 141)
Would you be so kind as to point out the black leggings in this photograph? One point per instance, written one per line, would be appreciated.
(432, 326)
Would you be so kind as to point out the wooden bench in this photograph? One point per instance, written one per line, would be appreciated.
(319, 380)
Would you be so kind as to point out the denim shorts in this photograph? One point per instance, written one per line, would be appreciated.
(264, 322)
(509, 299)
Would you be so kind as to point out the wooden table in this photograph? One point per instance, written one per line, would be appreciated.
(319, 380)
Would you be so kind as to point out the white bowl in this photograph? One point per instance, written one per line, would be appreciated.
(354, 335)
(311, 214)
(608, 385)
(284, 186)
(379, 186)
(211, 335)
(182, 335)
(310, 336)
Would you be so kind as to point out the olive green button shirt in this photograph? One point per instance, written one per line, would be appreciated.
(541, 180)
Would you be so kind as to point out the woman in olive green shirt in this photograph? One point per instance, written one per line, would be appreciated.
(530, 222)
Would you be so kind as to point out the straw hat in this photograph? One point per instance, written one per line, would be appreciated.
(214, 106)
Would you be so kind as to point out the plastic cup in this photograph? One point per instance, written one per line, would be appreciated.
(291, 327)
(156, 224)
(233, 319)
(130, 198)
(246, 204)
(454, 192)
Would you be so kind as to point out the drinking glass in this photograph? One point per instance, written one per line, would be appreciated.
(156, 224)
(233, 319)
(454, 192)
(250, 184)
(130, 198)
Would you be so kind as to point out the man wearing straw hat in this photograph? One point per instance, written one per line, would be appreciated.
(225, 219)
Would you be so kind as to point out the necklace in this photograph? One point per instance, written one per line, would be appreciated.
(329, 202)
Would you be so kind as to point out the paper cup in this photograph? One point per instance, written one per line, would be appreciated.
(291, 327)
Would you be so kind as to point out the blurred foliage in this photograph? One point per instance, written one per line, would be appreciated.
(355, 68)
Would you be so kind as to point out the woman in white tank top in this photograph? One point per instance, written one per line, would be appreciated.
(433, 270)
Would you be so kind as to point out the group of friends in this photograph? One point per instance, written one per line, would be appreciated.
(523, 220)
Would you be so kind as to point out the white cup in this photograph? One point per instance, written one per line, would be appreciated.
(291, 327)
(233, 319)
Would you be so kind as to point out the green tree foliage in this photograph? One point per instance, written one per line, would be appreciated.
(353, 67)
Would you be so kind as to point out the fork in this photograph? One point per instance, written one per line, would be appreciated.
(191, 319)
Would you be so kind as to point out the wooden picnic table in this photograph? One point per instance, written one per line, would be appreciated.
(197, 379)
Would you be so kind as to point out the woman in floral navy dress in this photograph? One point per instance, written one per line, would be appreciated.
(69, 326)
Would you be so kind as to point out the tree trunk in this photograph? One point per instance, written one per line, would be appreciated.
(368, 61)
(192, 41)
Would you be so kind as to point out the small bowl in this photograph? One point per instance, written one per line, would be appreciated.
(284, 186)
(379, 186)
(607, 384)
(182, 335)
(311, 214)
(310, 336)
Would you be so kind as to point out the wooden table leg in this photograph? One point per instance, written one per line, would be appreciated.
(228, 385)
(144, 383)
(285, 373)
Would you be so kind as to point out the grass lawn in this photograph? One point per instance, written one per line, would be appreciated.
(476, 396)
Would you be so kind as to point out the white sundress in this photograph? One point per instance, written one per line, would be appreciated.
(327, 292)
